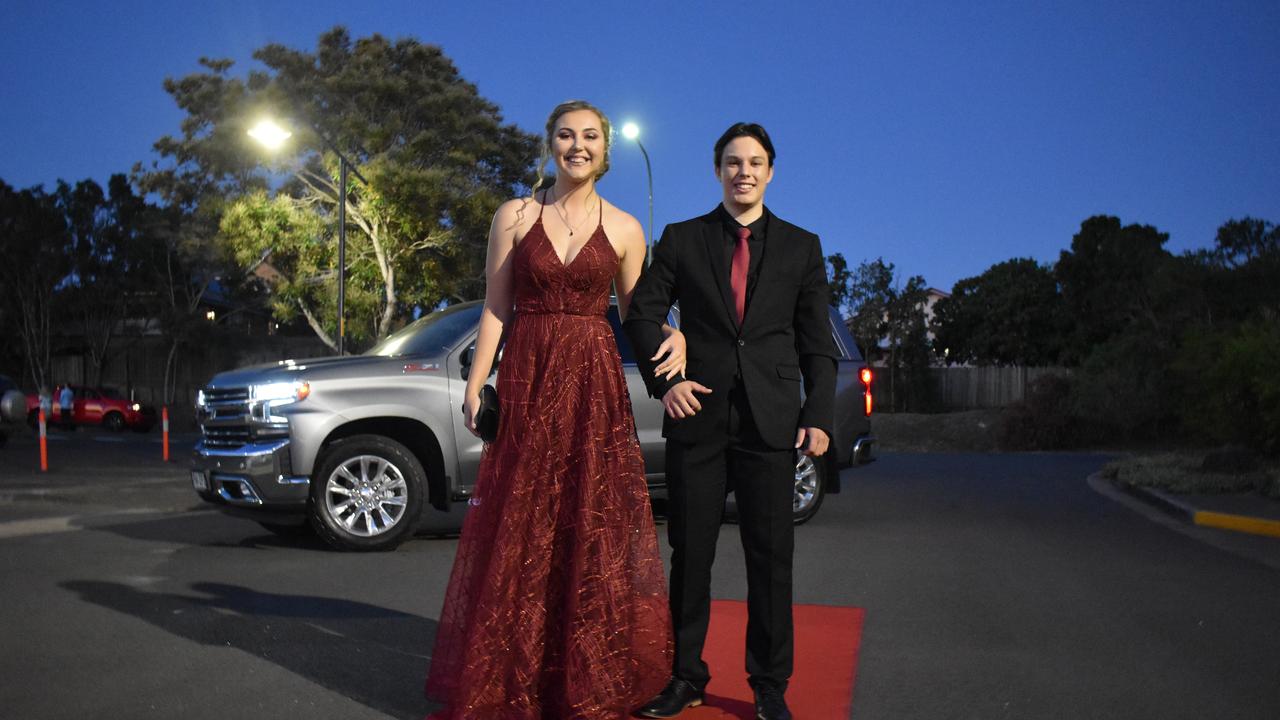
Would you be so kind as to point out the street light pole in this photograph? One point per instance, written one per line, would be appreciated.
(632, 132)
(342, 254)
(344, 167)
(272, 135)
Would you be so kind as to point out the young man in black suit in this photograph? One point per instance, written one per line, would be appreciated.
(753, 298)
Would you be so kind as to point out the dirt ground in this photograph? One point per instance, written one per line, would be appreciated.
(968, 431)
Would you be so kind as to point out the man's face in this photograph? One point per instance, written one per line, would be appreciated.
(744, 172)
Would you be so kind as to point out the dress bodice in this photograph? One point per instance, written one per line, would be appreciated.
(545, 285)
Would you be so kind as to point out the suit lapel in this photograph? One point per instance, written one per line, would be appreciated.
(713, 237)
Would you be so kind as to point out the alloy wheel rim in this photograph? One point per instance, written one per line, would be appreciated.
(366, 495)
(806, 489)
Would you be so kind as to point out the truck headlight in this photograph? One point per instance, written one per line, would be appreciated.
(290, 391)
(267, 397)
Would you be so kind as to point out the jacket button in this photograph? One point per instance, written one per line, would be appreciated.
(741, 342)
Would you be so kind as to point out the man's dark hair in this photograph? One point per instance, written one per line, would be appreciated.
(743, 129)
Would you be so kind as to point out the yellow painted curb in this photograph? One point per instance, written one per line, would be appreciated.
(1239, 523)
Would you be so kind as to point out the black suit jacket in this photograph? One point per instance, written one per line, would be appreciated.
(785, 335)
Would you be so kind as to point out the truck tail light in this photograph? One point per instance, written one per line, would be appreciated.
(865, 376)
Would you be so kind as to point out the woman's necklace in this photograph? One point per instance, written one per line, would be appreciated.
(564, 216)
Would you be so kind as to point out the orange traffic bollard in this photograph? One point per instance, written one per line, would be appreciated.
(44, 445)
(164, 420)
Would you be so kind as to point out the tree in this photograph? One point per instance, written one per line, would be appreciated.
(840, 282)
(33, 232)
(869, 293)
(1011, 314)
(437, 156)
(1241, 242)
(889, 326)
(108, 232)
(1110, 280)
(1237, 276)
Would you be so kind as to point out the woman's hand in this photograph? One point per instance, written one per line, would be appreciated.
(470, 407)
(674, 348)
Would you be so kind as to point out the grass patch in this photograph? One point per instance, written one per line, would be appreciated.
(1185, 472)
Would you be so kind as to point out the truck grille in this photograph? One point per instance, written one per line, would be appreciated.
(225, 437)
(226, 395)
(224, 422)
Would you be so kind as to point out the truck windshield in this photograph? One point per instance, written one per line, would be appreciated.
(431, 334)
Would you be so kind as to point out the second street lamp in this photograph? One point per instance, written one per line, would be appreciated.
(631, 131)
(270, 134)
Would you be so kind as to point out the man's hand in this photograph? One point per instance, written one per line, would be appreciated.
(681, 401)
(810, 440)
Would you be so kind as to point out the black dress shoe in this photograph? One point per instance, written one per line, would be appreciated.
(770, 703)
(678, 696)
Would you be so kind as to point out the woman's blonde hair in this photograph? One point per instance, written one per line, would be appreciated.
(568, 107)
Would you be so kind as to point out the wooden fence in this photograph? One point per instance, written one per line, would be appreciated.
(972, 388)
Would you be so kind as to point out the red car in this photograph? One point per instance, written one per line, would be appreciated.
(96, 406)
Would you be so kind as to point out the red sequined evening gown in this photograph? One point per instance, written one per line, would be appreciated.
(557, 607)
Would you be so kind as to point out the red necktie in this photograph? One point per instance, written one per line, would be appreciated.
(738, 277)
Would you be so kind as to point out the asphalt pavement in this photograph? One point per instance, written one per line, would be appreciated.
(995, 586)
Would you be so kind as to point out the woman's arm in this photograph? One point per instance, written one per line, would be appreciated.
(498, 302)
(633, 245)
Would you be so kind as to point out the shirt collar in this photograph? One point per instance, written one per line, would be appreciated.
(759, 229)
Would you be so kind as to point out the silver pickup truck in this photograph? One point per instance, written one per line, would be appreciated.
(356, 447)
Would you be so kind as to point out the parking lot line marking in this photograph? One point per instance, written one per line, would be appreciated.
(38, 526)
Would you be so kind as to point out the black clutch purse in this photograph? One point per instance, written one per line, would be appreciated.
(487, 415)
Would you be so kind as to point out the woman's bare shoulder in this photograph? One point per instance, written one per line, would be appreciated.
(514, 217)
(623, 229)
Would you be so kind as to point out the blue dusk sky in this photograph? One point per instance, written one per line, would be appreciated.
(942, 136)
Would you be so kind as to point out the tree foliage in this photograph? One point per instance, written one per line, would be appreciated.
(37, 260)
(888, 323)
(437, 156)
(1110, 281)
(1011, 314)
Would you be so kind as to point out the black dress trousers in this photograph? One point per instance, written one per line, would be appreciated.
(698, 478)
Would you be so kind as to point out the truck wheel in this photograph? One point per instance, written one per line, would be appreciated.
(114, 422)
(366, 493)
(811, 488)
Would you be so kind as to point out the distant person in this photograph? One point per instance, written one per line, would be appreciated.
(67, 399)
(753, 298)
(556, 606)
(46, 403)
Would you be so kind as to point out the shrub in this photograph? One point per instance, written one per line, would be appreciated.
(1231, 383)
(1125, 390)
(1044, 419)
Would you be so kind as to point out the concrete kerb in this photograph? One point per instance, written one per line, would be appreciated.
(1187, 512)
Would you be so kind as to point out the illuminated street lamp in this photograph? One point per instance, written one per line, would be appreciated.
(272, 136)
(631, 131)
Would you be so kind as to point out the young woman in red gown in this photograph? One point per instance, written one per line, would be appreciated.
(557, 604)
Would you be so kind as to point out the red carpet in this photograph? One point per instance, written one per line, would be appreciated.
(826, 658)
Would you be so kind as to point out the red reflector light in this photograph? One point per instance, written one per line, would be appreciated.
(867, 398)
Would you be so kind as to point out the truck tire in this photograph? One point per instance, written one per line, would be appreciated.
(366, 493)
(810, 490)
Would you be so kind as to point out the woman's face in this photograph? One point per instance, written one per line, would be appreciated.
(578, 145)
